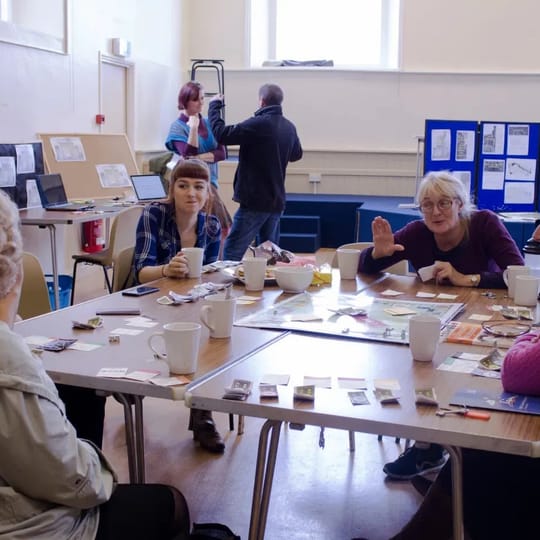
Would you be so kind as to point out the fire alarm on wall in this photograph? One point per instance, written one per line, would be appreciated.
(121, 47)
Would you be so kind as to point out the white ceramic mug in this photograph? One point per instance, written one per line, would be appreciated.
(348, 262)
(217, 314)
(254, 273)
(424, 335)
(181, 345)
(509, 276)
(526, 290)
(194, 256)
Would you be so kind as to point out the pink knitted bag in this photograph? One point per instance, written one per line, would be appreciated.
(521, 367)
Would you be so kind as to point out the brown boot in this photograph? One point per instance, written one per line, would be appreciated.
(204, 431)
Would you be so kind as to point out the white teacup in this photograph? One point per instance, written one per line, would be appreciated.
(424, 335)
(194, 256)
(509, 276)
(348, 262)
(526, 290)
(218, 315)
(254, 273)
(181, 345)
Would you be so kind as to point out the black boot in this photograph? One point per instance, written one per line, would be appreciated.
(204, 431)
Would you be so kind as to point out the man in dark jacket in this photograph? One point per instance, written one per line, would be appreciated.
(268, 141)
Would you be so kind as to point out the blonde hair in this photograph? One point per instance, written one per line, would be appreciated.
(10, 244)
(443, 183)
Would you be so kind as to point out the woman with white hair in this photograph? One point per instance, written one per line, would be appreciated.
(468, 248)
(54, 485)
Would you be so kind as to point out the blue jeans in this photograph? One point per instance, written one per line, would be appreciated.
(247, 224)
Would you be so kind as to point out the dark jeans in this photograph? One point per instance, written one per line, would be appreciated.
(85, 410)
(144, 512)
(247, 224)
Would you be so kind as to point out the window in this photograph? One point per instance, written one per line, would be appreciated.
(359, 33)
(42, 24)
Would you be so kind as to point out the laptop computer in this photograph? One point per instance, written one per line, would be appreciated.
(53, 195)
(148, 187)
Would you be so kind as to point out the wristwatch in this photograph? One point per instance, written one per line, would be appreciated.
(475, 278)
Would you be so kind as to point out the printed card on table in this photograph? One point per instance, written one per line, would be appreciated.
(142, 375)
(358, 398)
(112, 372)
(268, 391)
(426, 396)
(352, 383)
(385, 396)
(321, 382)
(239, 389)
(306, 393)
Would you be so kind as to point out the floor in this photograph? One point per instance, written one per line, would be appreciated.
(325, 493)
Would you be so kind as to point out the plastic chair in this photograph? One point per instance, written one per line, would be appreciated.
(401, 268)
(123, 277)
(122, 236)
(34, 299)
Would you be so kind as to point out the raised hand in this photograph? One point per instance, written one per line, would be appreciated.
(383, 239)
(193, 122)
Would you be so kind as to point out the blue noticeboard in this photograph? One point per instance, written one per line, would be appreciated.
(508, 166)
(452, 145)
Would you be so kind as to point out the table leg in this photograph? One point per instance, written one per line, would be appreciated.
(54, 263)
(139, 438)
(134, 436)
(457, 491)
(264, 475)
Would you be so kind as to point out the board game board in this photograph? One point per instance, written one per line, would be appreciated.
(384, 319)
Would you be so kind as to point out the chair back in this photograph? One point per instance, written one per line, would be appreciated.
(401, 268)
(123, 277)
(34, 299)
(123, 231)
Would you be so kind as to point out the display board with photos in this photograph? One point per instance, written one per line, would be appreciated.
(508, 166)
(497, 161)
(19, 165)
(452, 145)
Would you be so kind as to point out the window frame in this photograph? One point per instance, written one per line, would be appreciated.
(389, 57)
(18, 34)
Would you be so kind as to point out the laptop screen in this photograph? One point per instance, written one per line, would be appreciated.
(51, 189)
(148, 187)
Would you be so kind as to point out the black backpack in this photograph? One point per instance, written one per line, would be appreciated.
(212, 531)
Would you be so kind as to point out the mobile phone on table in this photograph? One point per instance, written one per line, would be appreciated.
(140, 291)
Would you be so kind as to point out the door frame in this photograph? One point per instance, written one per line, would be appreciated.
(104, 58)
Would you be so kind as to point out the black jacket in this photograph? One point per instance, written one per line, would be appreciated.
(268, 141)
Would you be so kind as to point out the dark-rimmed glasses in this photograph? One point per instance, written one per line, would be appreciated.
(427, 207)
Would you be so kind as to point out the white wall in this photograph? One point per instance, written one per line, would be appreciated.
(444, 46)
(459, 60)
(47, 92)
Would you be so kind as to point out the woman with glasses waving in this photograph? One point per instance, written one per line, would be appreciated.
(468, 248)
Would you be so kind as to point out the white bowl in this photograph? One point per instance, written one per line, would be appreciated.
(293, 279)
